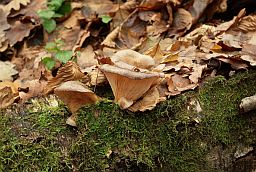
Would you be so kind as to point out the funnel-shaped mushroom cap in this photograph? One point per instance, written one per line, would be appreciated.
(75, 95)
(128, 86)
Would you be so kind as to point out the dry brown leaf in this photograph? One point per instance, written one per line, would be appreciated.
(152, 4)
(70, 36)
(228, 25)
(131, 33)
(129, 5)
(73, 20)
(181, 23)
(31, 9)
(87, 58)
(98, 7)
(13, 85)
(199, 6)
(158, 27)
(110, 39)
(235, 63)
(156, 53)
(70, 71)
(247, 23)
(7, 97)
(177, 84)
(3, 26)
(83, 35)
(148, 102)
(249, 54)
(15, 4)
(96, 77)
(196, 74)
(171, 58)
(7, 71)
(35, 88)
(18, 32)
(8, 93)
(74, 94)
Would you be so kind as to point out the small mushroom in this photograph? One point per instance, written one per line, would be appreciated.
(74, 94)
(128, 86)
(130, 59)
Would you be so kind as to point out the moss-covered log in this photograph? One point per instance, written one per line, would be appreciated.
(175, 136)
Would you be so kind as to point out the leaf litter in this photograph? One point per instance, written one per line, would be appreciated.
(147, 51)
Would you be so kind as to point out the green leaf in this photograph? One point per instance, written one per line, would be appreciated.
(105, 19)
(46, 14)
(64, 56)
(51, 47)
(54, 4)
(65, 8)
(49, 25)
(48, 62)
(57, 15)
(59, 43)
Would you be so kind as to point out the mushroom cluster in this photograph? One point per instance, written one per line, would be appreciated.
(130, 77)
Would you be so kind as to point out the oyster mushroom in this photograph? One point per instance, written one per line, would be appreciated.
(74, 94)
(128, 86)
(130, 59)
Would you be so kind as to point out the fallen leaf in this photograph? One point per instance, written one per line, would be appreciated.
(131, 33)
(13, 85)
(177, 84)
(15, 4)
(7, 96)
(148, 102)
(110, 39)
(18, 32)
(3, 26)
(7, 71)
(156, 53)
(247, 23)
(35, 88)
(73, 20)
(249, 54)
(181, 23)
(87, 58)
(70, 71)
(98, 7)
(199, 6)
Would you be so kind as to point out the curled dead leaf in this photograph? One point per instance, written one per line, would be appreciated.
(247, 23)
(148, 102)
(70, 71)
(110, 39)
(8, 93)
(177, 84)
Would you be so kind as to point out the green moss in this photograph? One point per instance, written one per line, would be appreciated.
(32, 141)
(148, 138)
(220, 100)
(166, 136)
(108, 138)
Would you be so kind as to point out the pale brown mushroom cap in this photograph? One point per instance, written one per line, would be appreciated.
(129, 59)
(75, 95)
(128, 86)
